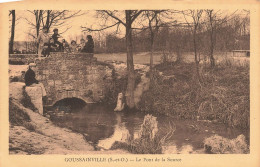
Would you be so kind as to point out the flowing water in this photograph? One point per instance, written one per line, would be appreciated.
(101, 126)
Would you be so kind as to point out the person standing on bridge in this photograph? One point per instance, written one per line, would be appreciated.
(89, 46)
(34, 89)
(43, 41)
(56, 37)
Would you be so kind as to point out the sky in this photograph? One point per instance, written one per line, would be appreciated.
(22, 27)
(88, 19)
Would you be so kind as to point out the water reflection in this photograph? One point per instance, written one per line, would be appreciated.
(120, 134)
(102, 126)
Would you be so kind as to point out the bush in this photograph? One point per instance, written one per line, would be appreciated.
(223, 94)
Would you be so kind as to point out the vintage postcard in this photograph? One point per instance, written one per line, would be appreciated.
(128, 83)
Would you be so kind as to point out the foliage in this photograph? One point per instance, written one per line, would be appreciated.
(220, 145)
(223, 95)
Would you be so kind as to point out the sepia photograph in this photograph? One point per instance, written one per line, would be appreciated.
(129, 81)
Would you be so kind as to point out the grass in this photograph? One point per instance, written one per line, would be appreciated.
(222, 96)
(19, 117)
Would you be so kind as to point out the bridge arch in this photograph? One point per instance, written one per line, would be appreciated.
(72, 100)
(69, 104)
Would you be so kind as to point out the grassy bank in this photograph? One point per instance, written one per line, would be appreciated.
(223, 94)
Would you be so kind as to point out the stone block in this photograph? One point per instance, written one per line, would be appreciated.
(58, 82)
(50, 82)
(68, 87)
(63, 67)
(51, 76)
(35, 94)
(71, 77)
(46, 72)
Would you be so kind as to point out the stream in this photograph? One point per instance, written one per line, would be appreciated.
(101, 126)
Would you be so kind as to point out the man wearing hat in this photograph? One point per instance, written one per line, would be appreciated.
(56, 37)
(43, 42)
(34, 89)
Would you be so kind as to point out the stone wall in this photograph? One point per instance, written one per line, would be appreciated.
(22, 58)
(74, 75)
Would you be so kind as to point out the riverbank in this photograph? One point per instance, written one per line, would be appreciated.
(31, 133)
(222, 96)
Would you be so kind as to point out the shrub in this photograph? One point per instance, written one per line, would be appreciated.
(223, 94)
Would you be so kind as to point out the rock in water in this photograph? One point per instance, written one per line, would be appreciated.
(219, 145)
(120, 104)
(149, 127)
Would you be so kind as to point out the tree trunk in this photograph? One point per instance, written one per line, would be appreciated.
(179, 54)
(195, 53)
(130, 62)
(151, 51)
(212, 59)
(211, 56)
(47, 24)
(38, 18)
(11, 44)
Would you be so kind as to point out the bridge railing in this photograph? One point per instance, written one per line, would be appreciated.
(27, 58)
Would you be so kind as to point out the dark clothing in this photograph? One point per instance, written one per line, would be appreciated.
(65, 46)
(30, 77)
(56, 37)
(46, 50)
(54, 47)
(89, 47)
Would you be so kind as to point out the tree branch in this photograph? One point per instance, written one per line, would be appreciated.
(114, 17)
(90, 30)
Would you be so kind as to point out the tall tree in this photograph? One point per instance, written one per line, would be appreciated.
(194, 24)
(213, 21)
(129, 17)
(36, 24)
(153, 25)
(11, 42)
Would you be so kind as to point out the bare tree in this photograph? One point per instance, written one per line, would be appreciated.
(153, 25)
(58, 18)
(129, 17)
(11, 43)
(179, 41)
(212, 33)
(38, 14)
(50, 18)
(194, 24)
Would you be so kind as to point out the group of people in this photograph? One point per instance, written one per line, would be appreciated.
(34, 89)
(47, 44)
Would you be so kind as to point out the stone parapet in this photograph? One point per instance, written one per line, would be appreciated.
(74, 75)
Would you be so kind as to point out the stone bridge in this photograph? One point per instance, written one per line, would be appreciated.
(72, 76)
